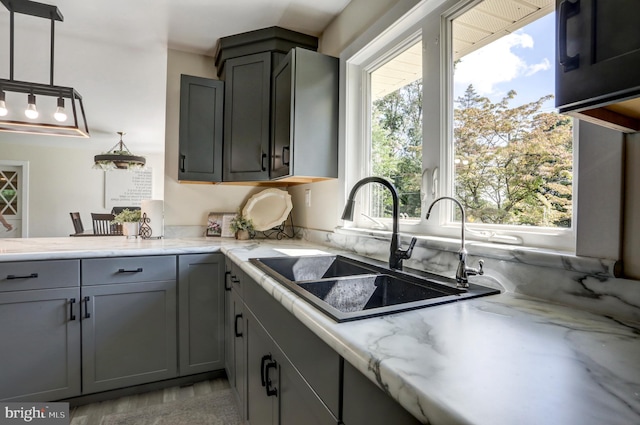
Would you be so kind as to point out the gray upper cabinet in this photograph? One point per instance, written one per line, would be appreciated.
(304, 116)
(200, 313)
(201, 121)
(598, 54)
(39, 330)
(246, 118)
(280, 107)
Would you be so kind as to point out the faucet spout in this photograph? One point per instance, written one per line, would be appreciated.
(396, 255)
(462, 272)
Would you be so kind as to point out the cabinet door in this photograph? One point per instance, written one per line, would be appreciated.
(247, 117)
(239, 351)
(282, 119)
(598, 52)
(318, 363)
(229, 360)
(40, 350)
(201, 120)
(128, 334)
(305, 116)
(299, 404)
(366, 404)
(201, 313)
(262, 376)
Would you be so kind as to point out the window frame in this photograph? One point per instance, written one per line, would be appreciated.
(434, 25)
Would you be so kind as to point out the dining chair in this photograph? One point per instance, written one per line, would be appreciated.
(77, 222)
(102, 224)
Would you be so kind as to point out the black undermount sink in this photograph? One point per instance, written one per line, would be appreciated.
(346, 288)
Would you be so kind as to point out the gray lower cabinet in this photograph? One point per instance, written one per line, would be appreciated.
(128, 321)
(39, 330)
(235, 346)
(276, 391)
(200, 313)
(302, 386)
(364, 403)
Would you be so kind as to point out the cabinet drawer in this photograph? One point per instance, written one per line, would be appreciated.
(26, 275)
(100, 271)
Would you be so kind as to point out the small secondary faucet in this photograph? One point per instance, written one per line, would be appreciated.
(463, 272)
(396, 255)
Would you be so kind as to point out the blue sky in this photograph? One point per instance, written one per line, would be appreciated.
(523, 61)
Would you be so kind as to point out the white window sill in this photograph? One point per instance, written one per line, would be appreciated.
(519, 254)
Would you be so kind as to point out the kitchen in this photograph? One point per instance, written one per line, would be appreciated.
(160, 69)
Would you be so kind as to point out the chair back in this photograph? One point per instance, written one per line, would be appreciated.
(118, 210)
(102, 224)
(77, 222)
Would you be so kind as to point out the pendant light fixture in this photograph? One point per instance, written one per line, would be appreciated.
(51, 121)
(119, 157)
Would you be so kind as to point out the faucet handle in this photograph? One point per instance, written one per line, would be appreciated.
(405, 254)
(409, 251)
(479, 271)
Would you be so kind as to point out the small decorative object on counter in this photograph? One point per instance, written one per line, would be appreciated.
(130, 221)
(154, 210)
(145, 229)
(242, 226)
(214, 224)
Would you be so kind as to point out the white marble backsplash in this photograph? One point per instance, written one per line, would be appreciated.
(584, 283)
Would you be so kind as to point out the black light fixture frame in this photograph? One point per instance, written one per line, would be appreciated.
(52, 13)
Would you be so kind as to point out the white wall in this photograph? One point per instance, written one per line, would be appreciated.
(123, 88)
(189, 204)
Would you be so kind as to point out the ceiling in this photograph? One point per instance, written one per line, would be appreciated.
(188, 25)
(473, 29)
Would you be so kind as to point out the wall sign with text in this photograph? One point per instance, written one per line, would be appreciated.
(127, 187)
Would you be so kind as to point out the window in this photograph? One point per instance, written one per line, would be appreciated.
(396, 132)
(475, 120)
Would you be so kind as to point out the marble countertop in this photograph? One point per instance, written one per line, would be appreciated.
(504, 359)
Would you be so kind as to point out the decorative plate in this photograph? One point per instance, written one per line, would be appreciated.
(268, 209)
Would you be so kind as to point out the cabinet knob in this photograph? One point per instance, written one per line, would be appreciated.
(29, 276)
(271, 391)
(237, 333)
(72, 316)
(138, 270)
(86, 300)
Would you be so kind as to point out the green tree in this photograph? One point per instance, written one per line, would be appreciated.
(397, 148)
(513, 164)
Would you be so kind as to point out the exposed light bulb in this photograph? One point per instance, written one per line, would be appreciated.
(3, 106)
(60, 115)
(31, 112)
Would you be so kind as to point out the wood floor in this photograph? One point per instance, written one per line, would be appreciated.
(92, 414)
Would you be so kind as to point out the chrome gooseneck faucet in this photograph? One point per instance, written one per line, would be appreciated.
(463, 272)
(396, 255)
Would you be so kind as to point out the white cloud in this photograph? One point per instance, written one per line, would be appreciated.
(497, 63)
